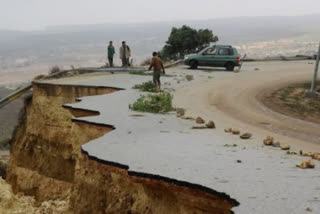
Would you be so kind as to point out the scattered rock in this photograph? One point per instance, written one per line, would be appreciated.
(239, 161)
(228, 130)
(276, 144)
(315, 156)
(129, 132)
(309, 209)
(307, 154)
(211, 125)
(256, 69)
(199, 120)
(284, 146)
(230, 145)
(187, 118)
(235, 132)
(178, 82)
(246, 136)
(199, 127)
(291, 153)
(268, 141)
(307, 165)
(180, 112)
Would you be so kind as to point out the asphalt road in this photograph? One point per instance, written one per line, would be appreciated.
(235, 100)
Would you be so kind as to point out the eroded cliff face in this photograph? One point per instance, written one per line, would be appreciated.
(47, 162)
(46, 146)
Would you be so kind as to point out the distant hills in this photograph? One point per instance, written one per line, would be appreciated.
(86, 44)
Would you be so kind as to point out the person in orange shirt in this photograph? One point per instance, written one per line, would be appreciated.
(157, 66)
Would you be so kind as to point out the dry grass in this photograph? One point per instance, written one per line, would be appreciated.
(295, 97)
(293, 101)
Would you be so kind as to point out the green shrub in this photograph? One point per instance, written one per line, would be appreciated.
(146, 86)
(156, 103)
(140, 73)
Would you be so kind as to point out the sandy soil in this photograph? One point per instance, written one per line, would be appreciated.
(234, 100)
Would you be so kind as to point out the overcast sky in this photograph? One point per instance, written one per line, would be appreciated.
(37, 14)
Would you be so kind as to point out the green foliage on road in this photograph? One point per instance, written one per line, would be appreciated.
(146, 86)
(140, 73)
(186, 40)
(153, 103)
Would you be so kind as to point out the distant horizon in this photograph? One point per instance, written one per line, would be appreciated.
(44, 28)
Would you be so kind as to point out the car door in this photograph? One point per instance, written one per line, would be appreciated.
(207, 57)
(224, 55)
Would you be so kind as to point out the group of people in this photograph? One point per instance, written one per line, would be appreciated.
(125, 54)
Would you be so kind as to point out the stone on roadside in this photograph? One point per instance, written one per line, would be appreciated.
(210, 125)
(180, 112)
(306, 154)
(306, 165)
(268, 141)
(246, 136)
(284, 146)
(309, 209)
(187, 118)
(230, 145)
(291, 153)
(316, 156)
(199, 127)
(199, 120)
(276, 144)
(235, 132)
(228, 130)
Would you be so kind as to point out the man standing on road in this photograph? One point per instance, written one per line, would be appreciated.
(125, 54)
(111, 52)
(157, 65)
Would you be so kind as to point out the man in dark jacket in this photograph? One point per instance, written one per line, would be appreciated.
(111, 52)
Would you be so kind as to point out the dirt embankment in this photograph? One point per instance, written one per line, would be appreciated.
(20, 204)
(46, 162)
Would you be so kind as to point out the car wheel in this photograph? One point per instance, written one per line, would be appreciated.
(194, 64)
(230, 66)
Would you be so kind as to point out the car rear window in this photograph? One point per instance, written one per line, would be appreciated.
(225, 51)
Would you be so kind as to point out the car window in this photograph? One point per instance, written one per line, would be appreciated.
(224, 51)
(211, 51)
